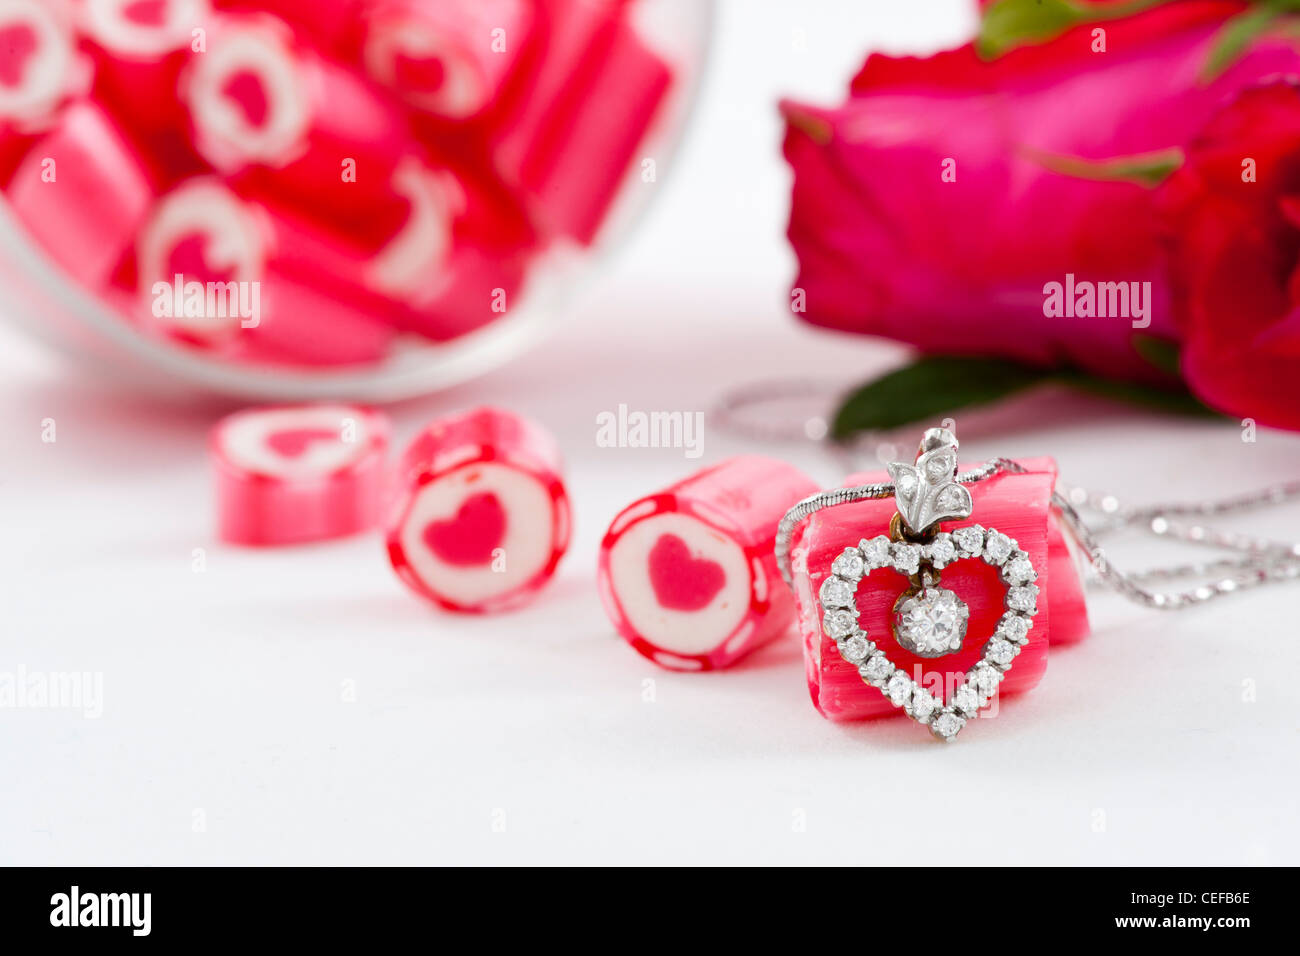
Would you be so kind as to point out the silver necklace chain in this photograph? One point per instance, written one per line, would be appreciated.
(1264, 562)
(838, 496)
(1259, 561)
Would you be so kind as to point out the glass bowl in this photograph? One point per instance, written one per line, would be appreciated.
(110, 331)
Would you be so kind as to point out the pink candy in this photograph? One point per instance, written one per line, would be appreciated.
(688, 575)
(483, 515)
(405, 163)
(574, 128)
(299, 473)
(144, 30)
(39, 63)
(451, 58)
(200, 232)
(81, 192)
(305, 324)
(334, 26)
(286, 123)
(403, 272)
(1015, 504)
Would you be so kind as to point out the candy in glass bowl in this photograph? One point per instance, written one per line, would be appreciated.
(293, 199)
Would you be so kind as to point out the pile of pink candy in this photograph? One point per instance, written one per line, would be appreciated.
(476, 518)
(316, 182)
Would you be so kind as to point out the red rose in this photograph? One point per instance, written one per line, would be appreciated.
(1233, 217)
(1054, 152)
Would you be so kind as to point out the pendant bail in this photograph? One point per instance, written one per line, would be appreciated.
(928, 492)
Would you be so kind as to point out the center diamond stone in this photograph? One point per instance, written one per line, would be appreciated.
(930, 622)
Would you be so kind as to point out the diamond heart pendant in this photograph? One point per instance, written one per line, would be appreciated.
(930, 620)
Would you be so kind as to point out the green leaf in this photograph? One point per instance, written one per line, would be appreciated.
(816, 128)
(1145, 169)
(1008, 24)
(937, 385)
(1239, 32)
(1177, 401)
(929, 387)
(1162, 353)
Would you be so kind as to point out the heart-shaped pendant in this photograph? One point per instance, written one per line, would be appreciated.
(929, 620)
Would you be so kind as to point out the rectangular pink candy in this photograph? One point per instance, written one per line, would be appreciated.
(479, 287)
(466, 283)
(82, 192)
(583, 107)
(305, 325)
(1018, 505)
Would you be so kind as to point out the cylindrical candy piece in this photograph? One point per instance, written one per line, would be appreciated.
(144, 30)
(1017, 505)
(292, 474)
(483, 518)
(304, 324)
(139, 48)
(200, 233)
(332, 26)
(39, 63)
(454, 265)
(450, 58)
(203, 244)
(283, 122)
(688, 575)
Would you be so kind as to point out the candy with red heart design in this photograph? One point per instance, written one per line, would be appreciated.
(139, 49)
(283, 122)
(449, 223)
(450, 59)
(82, 192)
(688, 575)
(200, 237)
(456, 263)
(1018, 505)
(389, 173)
(292, 474)
(39, 63)
(207, 273)
(144, 29)
(320, 298)
(483, 517)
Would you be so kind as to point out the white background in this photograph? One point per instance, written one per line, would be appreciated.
(223, 690)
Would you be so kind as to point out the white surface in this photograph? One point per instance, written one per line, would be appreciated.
(540, 736)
